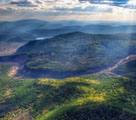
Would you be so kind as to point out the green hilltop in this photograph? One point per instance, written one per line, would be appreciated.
(92, 97)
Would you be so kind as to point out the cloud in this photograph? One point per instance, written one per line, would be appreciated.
(131, 4)
(5, 11)
(68, 9)
(120, 3)
(24, 3)
(109, 2)
(87, 9)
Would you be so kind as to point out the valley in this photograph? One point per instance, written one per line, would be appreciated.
(67, 71)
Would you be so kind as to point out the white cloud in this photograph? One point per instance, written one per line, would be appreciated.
(65, 9)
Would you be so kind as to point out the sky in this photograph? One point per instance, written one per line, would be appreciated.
(83, 10)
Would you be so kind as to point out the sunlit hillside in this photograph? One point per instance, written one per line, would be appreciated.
(102, 96)
(67, 59)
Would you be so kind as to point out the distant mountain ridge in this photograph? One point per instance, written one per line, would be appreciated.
(31, 29)
(25, 26)
(91, 29)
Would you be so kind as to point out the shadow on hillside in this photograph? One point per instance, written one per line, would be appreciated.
(44, 96)
(96, 111)
(131, 66)
(56, 96)
(26, 72)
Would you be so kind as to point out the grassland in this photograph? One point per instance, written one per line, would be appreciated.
(92, 97)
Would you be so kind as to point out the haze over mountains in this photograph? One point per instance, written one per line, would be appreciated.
(25, 30)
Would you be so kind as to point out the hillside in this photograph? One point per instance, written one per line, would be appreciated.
(51, 79)
(102, 97)
(9, 48)
(76, 53)
(127, 69)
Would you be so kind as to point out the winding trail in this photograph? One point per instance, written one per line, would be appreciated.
(120, 62)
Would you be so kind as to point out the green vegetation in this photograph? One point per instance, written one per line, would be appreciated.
(15, 94)
(100, 96)
(96, 97)
(128, 69)
(77, 51)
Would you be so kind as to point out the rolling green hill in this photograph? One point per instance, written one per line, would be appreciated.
(92, 97)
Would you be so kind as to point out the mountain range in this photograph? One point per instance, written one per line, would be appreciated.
(67, 70)
(28, 30)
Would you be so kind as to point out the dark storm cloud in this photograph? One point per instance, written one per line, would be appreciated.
(24, 3)
(109, 2)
